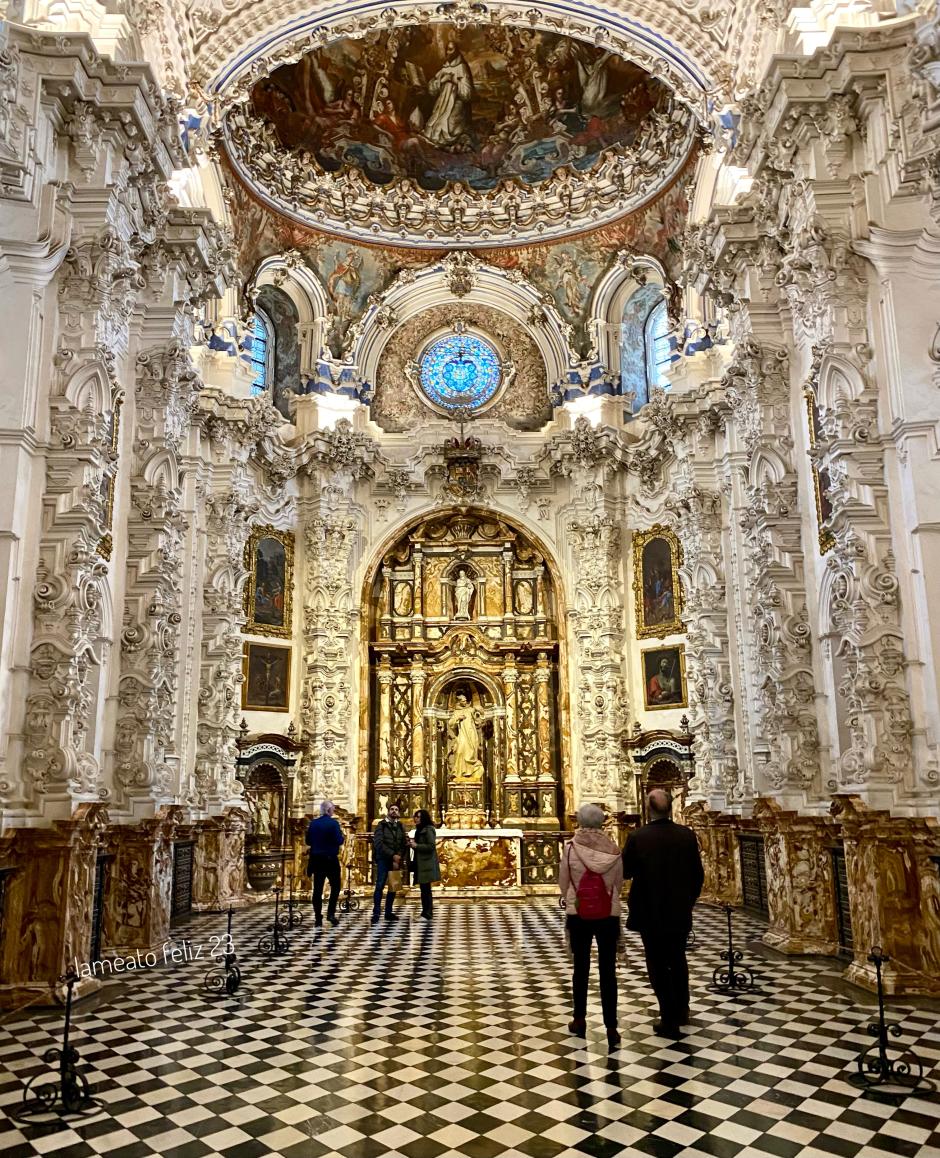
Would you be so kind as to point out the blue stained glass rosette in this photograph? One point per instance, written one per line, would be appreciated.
(460, 371)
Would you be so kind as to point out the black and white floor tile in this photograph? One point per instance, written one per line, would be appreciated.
(450, 1039)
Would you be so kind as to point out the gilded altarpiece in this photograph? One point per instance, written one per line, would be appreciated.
(465, 713)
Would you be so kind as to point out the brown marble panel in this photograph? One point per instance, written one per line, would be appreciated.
(468, 861)
(219, 861)
(800, 888)
(894, 893)
(47, 923)
(717, 838)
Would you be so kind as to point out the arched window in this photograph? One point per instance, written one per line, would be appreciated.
(261, 352)
(658, 346)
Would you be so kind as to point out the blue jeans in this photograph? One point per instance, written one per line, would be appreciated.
(382, 869)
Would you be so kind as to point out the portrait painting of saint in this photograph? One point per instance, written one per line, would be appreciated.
(267, 678)
(269, 557)
(656, 586)
(664, 678)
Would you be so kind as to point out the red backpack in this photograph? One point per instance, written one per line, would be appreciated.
(592, 900)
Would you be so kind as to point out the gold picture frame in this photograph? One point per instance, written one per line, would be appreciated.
(266, 683)
(657, 590)
(659, 691)
(269, 593)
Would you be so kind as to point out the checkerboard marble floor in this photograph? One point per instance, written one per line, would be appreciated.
(451, 1039)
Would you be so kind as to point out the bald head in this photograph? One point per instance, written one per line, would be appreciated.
(660, 802)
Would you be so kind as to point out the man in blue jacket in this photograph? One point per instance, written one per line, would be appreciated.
(325, 838)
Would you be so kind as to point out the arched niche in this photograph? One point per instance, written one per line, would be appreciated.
(296, 280)
(504, 647)
(461, 279)
(630, 278)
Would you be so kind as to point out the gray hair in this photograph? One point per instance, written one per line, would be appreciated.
(590, 816)
(326, 807)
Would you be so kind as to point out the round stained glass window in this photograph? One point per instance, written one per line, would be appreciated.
(460, 370)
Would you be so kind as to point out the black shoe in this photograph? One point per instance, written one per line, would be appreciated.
(334, 920)
(685, 1017)
(578, 1027)
(391, 917)
(318, 923)
(613, 1039)
(427, 916)
(375, 918)
(662, 1030)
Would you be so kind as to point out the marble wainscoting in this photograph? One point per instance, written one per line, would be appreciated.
(47, 904)
(87, 890)
(893, 868)
(836, 883)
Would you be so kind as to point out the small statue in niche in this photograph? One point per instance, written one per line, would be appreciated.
(463, 593)
(523, 598)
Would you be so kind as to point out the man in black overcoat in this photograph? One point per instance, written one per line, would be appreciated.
(663, 862)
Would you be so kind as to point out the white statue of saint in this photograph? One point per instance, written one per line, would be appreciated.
(464, 747)
(452, 86)
(463, 593)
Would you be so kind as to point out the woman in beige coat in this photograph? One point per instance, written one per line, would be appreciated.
(590, 878)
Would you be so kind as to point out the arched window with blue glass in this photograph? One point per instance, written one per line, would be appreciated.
(658, 346)
(261, 352)
(645, 347)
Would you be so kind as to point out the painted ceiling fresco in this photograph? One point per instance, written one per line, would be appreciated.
(567, 270)
(475, 105)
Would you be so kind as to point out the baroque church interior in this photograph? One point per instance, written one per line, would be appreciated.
(485, 409)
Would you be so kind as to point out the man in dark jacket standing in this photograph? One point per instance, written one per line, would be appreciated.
(662, 860)
(325, 838)
(389, 844)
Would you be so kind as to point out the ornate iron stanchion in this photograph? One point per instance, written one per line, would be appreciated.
(349, 902)
(228, 977)
(732, 977)
(43, 1092)
(691, 941)
(273, 944)
(293, 917)
(878, 1073)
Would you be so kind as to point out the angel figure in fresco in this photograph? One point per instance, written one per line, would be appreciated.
(464, 742)
(571, 283)
(343, 283)
(452, 86)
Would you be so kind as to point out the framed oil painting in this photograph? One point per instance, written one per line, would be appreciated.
(267, 678)
(269, 558)
(657, 554)
(664, 683)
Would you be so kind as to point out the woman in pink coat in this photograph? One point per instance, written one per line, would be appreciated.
(590, 878)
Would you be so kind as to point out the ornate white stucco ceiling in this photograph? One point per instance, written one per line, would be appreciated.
(429, 125)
